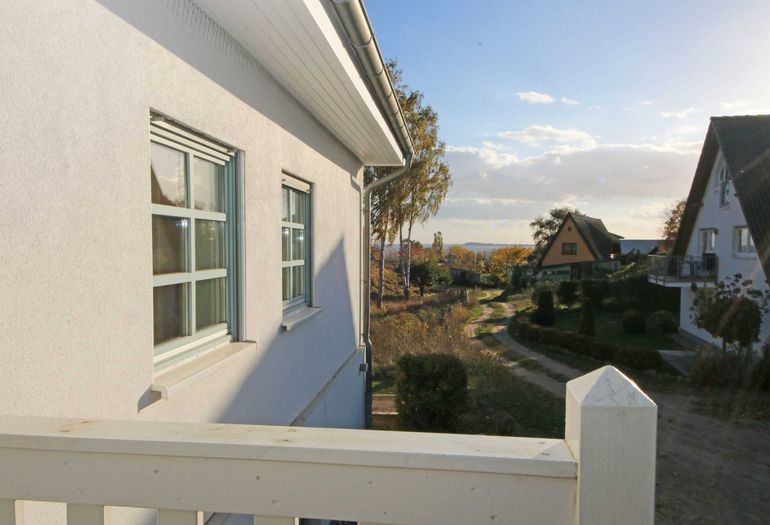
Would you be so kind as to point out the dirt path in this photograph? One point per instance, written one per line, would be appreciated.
(709, 471)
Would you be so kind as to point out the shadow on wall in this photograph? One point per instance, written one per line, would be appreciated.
(214, 53)
(293, 367)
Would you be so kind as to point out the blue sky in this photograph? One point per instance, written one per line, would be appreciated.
(602, 105)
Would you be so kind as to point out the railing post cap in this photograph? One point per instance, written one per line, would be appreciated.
(608, 387)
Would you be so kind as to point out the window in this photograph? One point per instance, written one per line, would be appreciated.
(193, 242)
(723, 181)
(744, 244)
(708, 240)
(569, 248)
(295, 245)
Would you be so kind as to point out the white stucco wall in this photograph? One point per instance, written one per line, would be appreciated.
(724, 219)
(78, 80)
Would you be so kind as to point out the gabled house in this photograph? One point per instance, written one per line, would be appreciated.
(725, 228)
(581, 247)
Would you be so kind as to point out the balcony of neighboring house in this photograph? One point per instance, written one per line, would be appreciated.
(602, 473)
(679, 271)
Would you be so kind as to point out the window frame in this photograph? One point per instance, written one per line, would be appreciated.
(564, 248)
(751, 249)
(702, 243)
(178, 350)
(293, 183)
(723, 184)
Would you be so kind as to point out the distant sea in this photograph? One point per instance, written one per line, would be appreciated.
(483, 247)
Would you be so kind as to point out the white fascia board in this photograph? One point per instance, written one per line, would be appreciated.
(297, 42)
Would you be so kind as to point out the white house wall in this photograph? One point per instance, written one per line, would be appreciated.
(724, 219)
(78, 80)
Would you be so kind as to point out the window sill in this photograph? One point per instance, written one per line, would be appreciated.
(170, 381)
(745, 255)
(294, 318)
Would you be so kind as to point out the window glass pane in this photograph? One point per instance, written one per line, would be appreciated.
(169, 244)
(285, 245)
(298, 203)
(167, 174)
(210, 303)
(286, 279)
(284, 204)
(208, 185)
(209, 244)
(169, 312)
(297, 281)
(297, 244)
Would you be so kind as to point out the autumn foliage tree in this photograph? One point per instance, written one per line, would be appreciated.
(672, 218)
(502, 261)
(412, 199)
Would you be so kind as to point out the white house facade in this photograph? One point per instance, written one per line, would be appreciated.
(717, 237)
(180, 229)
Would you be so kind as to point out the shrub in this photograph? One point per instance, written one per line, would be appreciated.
(544, 314)
(633, 322)
(632, 356)
(567, 292)
(587, 322)
(431, 392)
(596, 290)
(664, 321)
(718, 369)
(760, 372)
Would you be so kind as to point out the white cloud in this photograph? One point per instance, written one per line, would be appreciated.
(736, 105)
(533, 97)
(543, 135)
(680, 114)
(647, 102)
(744, 107)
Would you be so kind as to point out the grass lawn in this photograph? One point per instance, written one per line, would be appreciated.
(609, 327)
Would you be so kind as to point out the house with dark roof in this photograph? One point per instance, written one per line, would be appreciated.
(581, 247)
(725, 227)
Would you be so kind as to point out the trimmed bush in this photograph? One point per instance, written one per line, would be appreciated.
(633, 322)
(664, 321)
(431, 392)
(587, 321)
(632, 356)
(567, 292)
(596, 290)
(544, 314)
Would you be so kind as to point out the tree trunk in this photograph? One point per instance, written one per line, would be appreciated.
(381, 277)
(404, 263)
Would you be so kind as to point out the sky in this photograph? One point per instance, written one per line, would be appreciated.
(598, 105)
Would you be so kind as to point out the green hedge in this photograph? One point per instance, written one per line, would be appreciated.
(635, 357)
(431, 392)
(634, 322)
(544, 315)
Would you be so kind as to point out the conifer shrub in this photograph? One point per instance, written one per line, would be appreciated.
(431, 392)
(587, 321)
(544, 314)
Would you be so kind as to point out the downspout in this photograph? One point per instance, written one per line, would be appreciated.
(367, 278)
(356, 25)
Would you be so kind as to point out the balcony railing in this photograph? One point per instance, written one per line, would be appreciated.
(603, 472)
(673, 269)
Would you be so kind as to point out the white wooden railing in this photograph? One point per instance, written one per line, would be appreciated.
(602, 473)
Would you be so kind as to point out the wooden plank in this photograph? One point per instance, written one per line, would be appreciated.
(273, 520)
(85, 515)
(179, 517)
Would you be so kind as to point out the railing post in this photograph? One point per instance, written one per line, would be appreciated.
(611, 430)
(11, 512)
